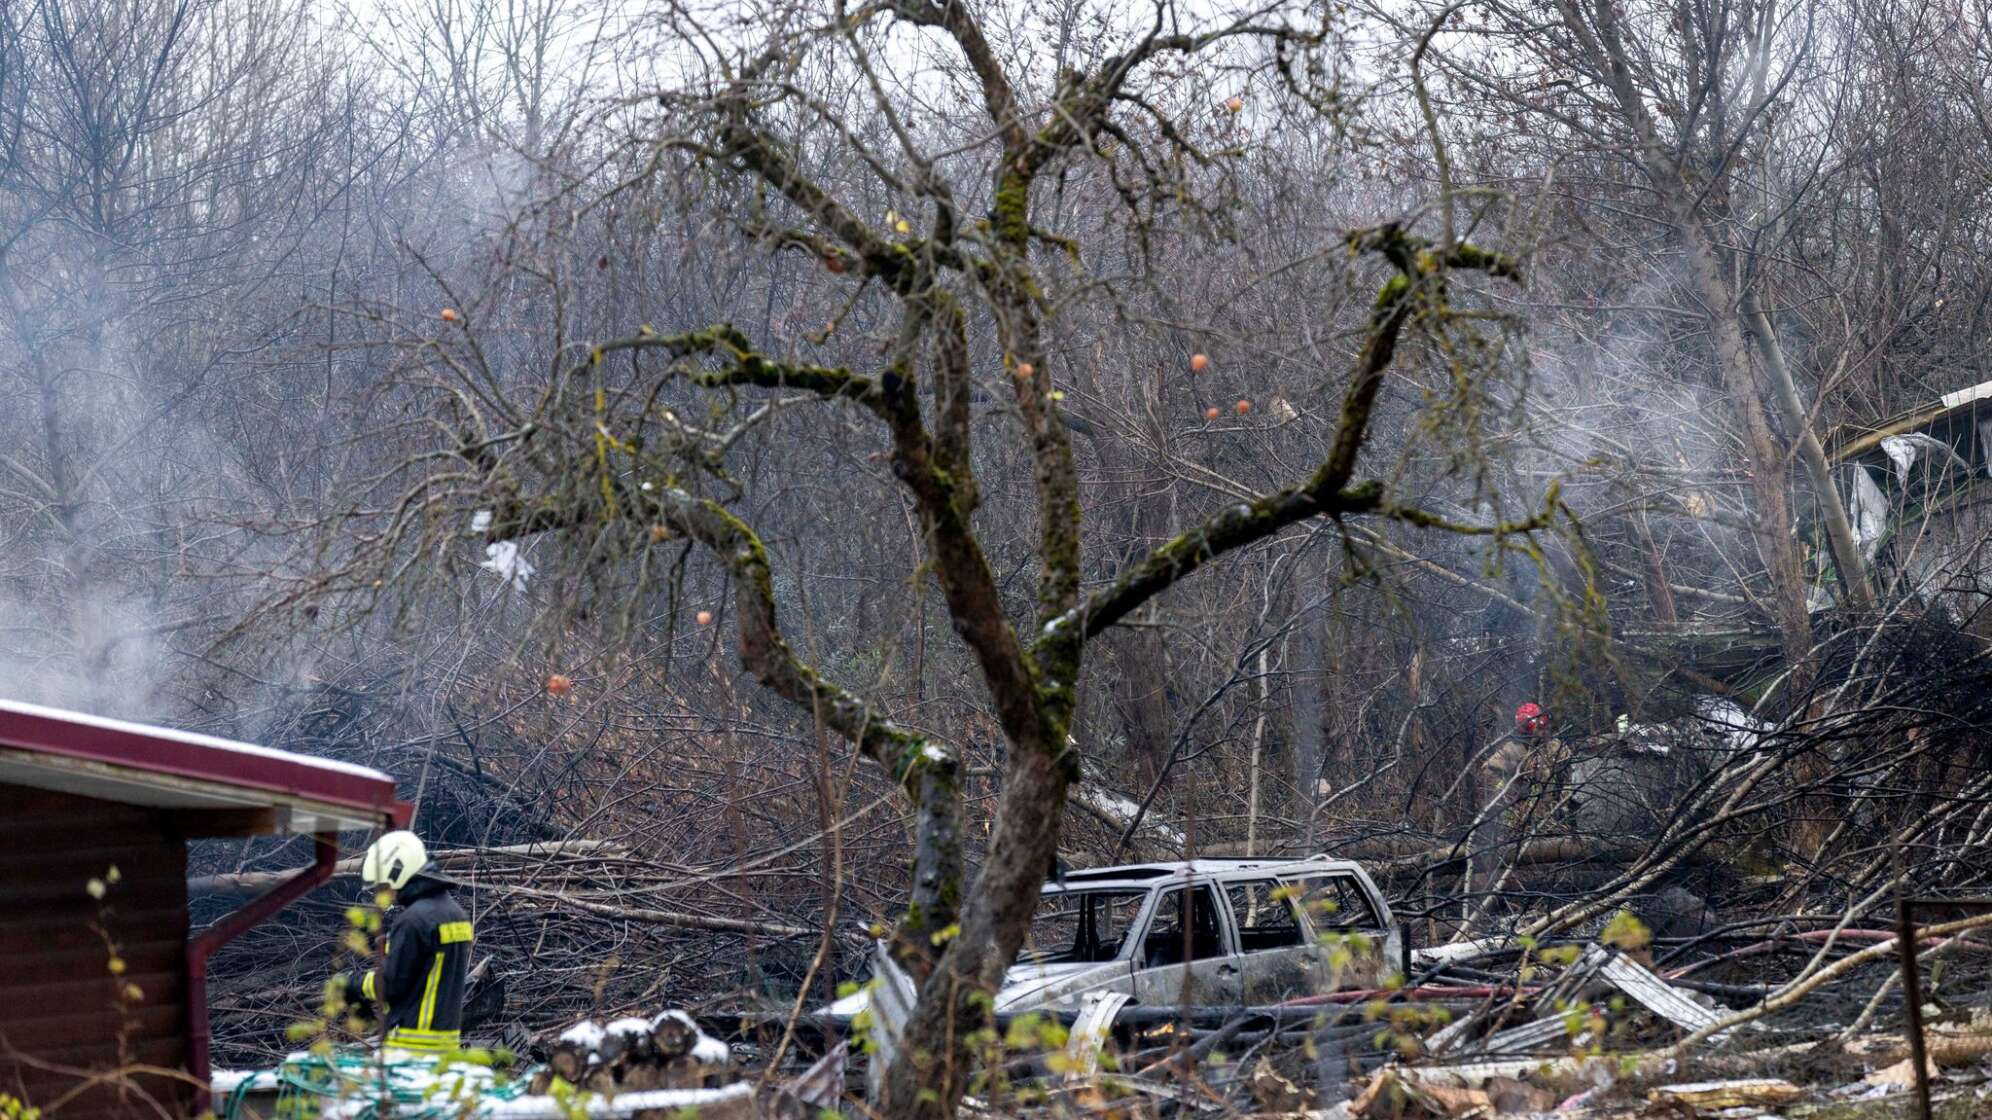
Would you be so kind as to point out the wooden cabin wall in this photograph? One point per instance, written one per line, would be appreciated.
(61, 1005)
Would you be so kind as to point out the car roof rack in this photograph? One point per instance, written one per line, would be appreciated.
(1262, 859)
(1115, 874)
(1160, 869)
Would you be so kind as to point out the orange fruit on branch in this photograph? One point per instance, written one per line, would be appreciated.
(1244, 407)
(1199, 363)
(559, 684)
(705, 618)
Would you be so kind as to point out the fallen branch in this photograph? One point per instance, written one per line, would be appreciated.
(653, 917)
(249, 883)
(1798, 989)
(1118, 812)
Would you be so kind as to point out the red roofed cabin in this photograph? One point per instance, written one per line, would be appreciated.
(80, 795)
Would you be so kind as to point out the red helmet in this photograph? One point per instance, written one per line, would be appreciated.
(1529, 719)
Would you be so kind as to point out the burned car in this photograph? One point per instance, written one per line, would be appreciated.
(1207, 931)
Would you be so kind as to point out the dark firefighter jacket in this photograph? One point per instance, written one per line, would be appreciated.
(421, 987)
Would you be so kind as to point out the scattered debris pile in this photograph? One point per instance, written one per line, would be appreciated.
(1576, 1009)
(1798, 1023)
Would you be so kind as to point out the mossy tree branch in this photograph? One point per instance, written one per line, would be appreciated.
(936, 470)
(1418, 281)
(927, 771)
(747, 366)
(937, 474)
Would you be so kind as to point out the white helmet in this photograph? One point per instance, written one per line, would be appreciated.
(394, 859)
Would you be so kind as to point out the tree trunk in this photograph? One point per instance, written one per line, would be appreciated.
(935, 1061)
(1832, 511)
(1139, 685)
(1661, 162)
(1772, 526)
(1258, 756)
(1311, 699)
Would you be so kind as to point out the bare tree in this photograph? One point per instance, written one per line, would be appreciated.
(948, 253)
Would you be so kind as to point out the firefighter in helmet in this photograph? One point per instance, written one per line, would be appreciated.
(1521, 751)
(417, 994)
(1511, 777)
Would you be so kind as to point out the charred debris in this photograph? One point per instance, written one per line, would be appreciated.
(1691, 911)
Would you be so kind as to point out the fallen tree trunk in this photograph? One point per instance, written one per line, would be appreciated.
(1396, 857)
(250, 883)
(1118, 812)
(654, 917)
(247, 884)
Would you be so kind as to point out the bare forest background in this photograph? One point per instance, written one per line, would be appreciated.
(365, 397)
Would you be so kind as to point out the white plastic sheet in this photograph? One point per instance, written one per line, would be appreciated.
(502, 559)
(1868, 509)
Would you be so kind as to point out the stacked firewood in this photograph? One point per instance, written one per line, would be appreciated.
(635, 1054)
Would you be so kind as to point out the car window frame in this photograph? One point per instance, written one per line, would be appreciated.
(1228, 940)
(1302, 929)
(1126, 952)
(1300, 880)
